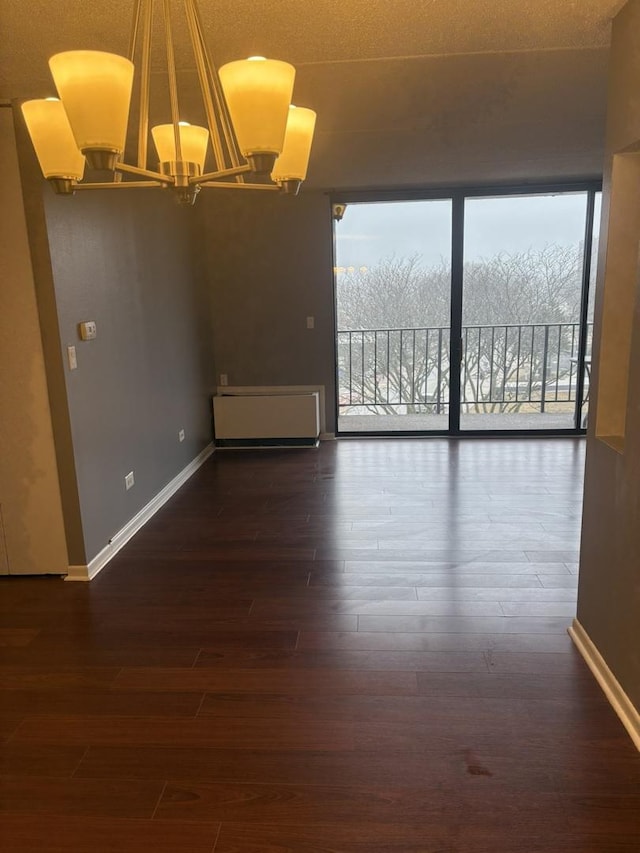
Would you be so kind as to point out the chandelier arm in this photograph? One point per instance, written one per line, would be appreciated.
(216, 88)
(233, 186)
(145, 77)
(145, 173)
(218, 176)
(173, 85)
(122, 185)
(198, 52)
(135, 24)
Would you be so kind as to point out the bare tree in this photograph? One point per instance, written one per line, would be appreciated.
(394, 322)
(393, 344)
(519, 315)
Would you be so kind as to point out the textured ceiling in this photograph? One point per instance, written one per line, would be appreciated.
(407, 91)
(308, 31)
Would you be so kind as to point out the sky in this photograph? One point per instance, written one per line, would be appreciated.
(372, 231)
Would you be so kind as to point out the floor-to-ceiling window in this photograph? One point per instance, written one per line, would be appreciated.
(466, 312)
(393, 301)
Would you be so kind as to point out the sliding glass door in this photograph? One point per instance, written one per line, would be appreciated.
(522, 297)
(393, 305)
(469, 313)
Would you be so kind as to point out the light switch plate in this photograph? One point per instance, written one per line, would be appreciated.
(72, 358)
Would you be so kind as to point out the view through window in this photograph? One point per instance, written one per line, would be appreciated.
(393, 296)
(519, 309)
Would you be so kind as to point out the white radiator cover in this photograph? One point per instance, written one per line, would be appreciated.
(266, 419)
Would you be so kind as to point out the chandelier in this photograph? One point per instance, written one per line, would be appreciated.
(252, 127)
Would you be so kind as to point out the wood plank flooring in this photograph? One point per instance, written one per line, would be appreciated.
(359, 649)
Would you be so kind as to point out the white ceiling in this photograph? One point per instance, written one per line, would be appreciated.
(408, 92)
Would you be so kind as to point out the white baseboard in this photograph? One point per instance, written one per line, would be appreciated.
(327, 436)
(620, 702)
(88, 572)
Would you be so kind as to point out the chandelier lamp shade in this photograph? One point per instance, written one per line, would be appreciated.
(291, 166)
(254, 138)
(53, 140)
(193, 145)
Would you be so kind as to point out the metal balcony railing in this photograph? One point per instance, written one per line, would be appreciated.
(505, 368)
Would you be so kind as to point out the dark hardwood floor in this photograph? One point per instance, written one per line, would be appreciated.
(359, 648)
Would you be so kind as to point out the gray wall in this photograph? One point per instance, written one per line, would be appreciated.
(481, 117)
(125, 260)
(268, 261)
(609, 590)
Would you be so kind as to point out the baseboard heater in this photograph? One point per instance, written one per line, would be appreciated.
(266, 420)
